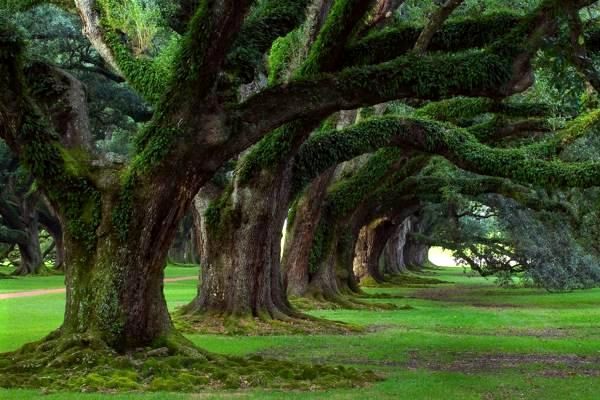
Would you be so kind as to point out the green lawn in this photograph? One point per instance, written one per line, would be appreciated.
(463, 340)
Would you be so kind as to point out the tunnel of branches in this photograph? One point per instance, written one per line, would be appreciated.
(297, 151)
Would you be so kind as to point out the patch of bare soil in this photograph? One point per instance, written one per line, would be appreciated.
(554, 365)
(530, 332)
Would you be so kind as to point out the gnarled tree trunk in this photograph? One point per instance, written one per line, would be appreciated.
(241, 273)
(393, 254)
(183, 250)
(369, 248)
(415, 253)
(301, 233)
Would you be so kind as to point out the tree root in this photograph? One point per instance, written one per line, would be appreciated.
(262, 325)
(84, 363)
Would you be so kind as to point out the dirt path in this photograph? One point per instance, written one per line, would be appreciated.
(40, 292)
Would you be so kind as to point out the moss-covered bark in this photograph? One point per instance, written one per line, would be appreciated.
(393, 254)
(241, 249)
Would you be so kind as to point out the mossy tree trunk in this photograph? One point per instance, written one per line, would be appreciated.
(393, 254)
(369, 248)
(415, 253)
(241, 272)
(302, 224)
(21, 228)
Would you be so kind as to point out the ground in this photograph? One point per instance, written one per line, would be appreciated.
(466, 339)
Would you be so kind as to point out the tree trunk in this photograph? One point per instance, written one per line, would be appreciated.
(114, 277)
(183, 250)
(415, 253)
(334, 276)
(51, 222)
(31, 252)
(241, 273)
(393, 254)
(369, 247)
(301, 233)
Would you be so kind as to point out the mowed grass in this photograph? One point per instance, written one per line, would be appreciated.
(465, 339)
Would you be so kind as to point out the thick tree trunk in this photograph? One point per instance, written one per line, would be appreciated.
(241, 273)
(114, 274)
(301, 233)
(31, 253)
(369, 247)
(31, 260)
(115, 293)
(415, 253)
(334, 276)
(183, 250)
(393, 254)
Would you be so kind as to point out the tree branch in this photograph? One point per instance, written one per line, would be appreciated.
(435, 23)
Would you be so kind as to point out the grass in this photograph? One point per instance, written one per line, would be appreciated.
(466, 339)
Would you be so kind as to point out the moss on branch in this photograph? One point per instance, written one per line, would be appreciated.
(63, 172)
(459, 34)
(268, 21)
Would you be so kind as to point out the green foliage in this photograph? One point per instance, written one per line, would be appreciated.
(283, 52)
(267, 25)
(140, 20)
(393, 41)
(220, 212)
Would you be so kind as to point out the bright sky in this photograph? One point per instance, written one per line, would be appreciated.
(441, 257)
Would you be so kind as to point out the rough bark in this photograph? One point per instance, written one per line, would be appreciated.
(393, 254)
(301, 233)
(415, 252)
(183, 250)
(115, 289)
(369, 248)
(241, 273)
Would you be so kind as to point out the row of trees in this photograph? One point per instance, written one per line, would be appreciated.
(330, 114)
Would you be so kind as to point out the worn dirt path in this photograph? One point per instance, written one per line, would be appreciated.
(40, 292)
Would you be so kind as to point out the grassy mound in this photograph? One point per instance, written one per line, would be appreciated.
(346, 302)
(83, 363)
(252, 326)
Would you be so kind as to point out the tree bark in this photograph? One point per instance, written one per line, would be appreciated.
(115, 290)
(241, 272)
(24, 219)
(393, 254)
(415, 253)
(369, 248)
(301, 233)
(183, 250)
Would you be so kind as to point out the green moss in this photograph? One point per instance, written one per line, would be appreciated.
(270, 25)
(35, 366)
(281, 55)
(220, 213)
(150, 77)
(459, 34)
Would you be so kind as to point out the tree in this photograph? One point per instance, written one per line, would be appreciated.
(120, 218)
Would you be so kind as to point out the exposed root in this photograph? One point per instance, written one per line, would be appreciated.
(299, 324)
(85, 363)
